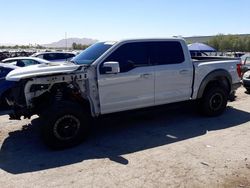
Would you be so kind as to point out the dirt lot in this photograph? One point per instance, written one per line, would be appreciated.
(173, 147)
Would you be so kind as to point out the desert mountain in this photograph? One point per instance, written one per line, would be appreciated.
(62, 43)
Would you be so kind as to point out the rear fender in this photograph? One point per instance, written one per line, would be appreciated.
(221, 76)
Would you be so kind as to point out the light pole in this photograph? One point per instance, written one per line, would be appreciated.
(66, 41)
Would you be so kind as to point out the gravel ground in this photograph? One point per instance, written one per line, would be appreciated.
(171, 147)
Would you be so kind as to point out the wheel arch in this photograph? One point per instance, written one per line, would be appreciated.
(56, 139)
(219, 77)
(61, 93)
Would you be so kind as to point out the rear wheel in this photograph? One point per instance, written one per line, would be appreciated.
(65, 125)
(214, 101)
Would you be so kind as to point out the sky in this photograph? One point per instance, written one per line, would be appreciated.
(46, 21)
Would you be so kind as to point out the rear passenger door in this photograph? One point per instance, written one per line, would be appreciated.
(133, 87)
(173, 73)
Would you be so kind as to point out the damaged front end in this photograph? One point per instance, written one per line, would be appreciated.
(32, 96)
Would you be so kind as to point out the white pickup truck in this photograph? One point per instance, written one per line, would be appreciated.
(111, 77)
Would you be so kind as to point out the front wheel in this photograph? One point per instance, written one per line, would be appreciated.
(65, 125)
(214, 101)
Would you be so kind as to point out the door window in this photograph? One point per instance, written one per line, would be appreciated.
(164, 53)
(50, 56)
(40, 56)
(68, 56)
(59, 56)
(130, 56)
(26, 62)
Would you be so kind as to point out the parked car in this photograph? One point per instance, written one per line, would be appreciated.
(55, 56)
(7, 65)
(112, 77)
(245, 59)
(246, 81)
(24, 61)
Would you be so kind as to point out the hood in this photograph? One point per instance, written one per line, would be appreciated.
(41, 70)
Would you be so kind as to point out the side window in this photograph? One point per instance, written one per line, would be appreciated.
(49, 57)
(130, 56)
(40, 56)
(164, 53)
(13, 62)
(20, 63)
(68, 56)
(32, 62)
(27, 62)
(59, 56)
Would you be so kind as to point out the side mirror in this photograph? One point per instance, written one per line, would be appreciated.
(111, 67)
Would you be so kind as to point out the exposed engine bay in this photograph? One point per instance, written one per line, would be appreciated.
(32, 95)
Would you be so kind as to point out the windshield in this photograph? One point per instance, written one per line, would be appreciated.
(92, 53)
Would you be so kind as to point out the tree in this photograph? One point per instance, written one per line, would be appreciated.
(76, 46)
(230, 43)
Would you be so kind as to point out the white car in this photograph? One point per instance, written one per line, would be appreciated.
(24, 61)
(8, 65)
(111, 77)
(55, 56)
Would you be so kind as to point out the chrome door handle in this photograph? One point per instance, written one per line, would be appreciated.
(184, 71)
(146, 75)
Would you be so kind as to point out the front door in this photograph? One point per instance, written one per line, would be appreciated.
(133, 87)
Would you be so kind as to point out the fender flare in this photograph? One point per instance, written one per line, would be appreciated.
(217, 75)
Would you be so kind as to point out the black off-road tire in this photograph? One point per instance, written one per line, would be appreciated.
(214, 101)
(65, 125)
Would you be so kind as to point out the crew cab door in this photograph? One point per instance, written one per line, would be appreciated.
(133, 87)
(173, 72)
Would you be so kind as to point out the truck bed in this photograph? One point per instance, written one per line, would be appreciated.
(205, 65)
(202, 59)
